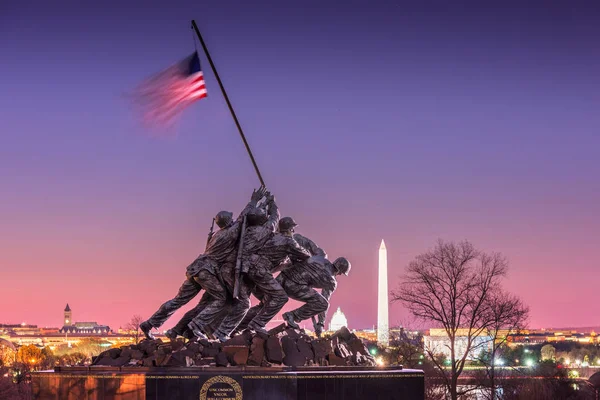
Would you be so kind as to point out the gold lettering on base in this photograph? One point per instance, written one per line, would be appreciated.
(221, 388)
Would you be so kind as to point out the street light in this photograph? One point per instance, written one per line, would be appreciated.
(529, 362)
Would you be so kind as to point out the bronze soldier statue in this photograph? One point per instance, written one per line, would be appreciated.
(286, 227)
(224, 220)
(221, 324)
(300, 281)
(264, 250)
(203, 272)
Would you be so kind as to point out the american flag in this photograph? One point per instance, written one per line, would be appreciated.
(165, 95)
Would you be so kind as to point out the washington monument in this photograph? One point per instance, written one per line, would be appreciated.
(382, 301)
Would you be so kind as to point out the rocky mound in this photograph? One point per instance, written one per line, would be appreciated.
(282, 346)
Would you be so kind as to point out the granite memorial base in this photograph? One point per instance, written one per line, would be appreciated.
(229, 383)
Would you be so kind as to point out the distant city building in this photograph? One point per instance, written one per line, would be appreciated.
(87, 328)
(369, 335)
(438, 342)
(399, 333)
(383, 332)
(70, 334)
(68, 321)
(19, 329)
(538, 336)
(338, 320)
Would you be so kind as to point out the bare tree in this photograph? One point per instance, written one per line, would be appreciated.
(133, 326)
(452, 286)
(506, 314)
(406, 350)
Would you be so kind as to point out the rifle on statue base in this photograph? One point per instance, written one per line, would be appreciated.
(238, 262)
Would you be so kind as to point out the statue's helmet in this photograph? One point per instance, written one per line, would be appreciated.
(256, 216)
(286, 224)
(342, 265)
(223, 219)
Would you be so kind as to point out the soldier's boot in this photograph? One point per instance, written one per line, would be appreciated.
(221, 337)
(199, 335)
(238, 332)
(289, 318)
(257, 328)
(196, 331)
(145, 327)
(188, 334)
(171, 334)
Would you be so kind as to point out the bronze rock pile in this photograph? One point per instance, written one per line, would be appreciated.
(282, 346)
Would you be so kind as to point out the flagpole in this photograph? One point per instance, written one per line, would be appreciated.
(237, 123)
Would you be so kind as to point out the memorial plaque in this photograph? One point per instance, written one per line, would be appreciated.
(221, 388)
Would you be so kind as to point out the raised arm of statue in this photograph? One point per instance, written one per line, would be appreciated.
(273, 220)
(254, 199)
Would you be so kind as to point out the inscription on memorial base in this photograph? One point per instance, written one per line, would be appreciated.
(221, 388)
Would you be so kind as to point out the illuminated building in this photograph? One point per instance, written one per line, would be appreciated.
(538, 336)
(383, 338)
(68, 321)
(438, 342)
(87, 328)
(369, 335)
(70, 334)
(338, 320)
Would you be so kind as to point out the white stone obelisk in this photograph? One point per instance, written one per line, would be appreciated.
(383, 338)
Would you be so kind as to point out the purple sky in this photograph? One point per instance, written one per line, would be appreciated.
(369, 121)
